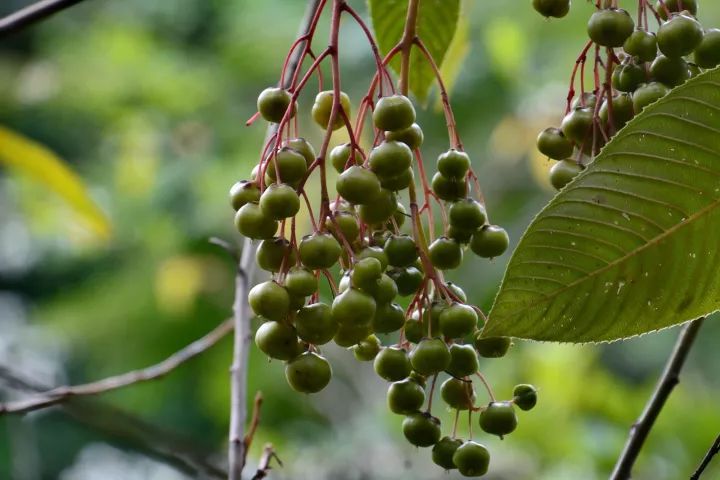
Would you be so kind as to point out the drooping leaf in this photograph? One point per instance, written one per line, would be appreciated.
(436, 25)
(632, 244)
(34, 160)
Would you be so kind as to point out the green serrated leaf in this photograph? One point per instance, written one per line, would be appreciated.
(437, 22)
(631, 245)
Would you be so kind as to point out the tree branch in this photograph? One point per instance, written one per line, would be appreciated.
(237, 448)
(264, 465)
(667, 382)
(61, 394)
(714, 450)
(32, 14)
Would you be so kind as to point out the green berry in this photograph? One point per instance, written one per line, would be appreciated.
(401, 250)
(358, 185)
(269, 300)
(389, 317)
(291, 164)
(587, 99)
(490, 241)
(353, 307)
(315, 324)
(390, 158)
(563, 172)
(707, 53)
(277, 340)
(411, 136)
(577, 125)
(421, 429)
(642, 45)
(279, 201)
(398, 182)
(378, 209)
(498, 418)
(553, 143)
(303, 147)
(453, 164)
(448, 189)
(552, 8)
(679, 36)
(319, 251)
(458, 292)
(525, 396)
(443, 451)
(458, 320)
(374, 252)
(472, 459)
(467, 213)
(243, 192)
(272, 103)
(492, 347)
(367, 349)
(405, 397)
(322, 109)
(676, 6)
(395, 112)
(622, 111)
(670, 71)
(430, 356)
(647, 94)
(445, 253)
(610, 27)
(459, 234)
(626, 78)
(408, 280)
(384, 291)
(458, 394)
(308, 373)
(414, 330)
(301, 282)
(366, 272)
(340, 156)
(345, 223)
(392, 364)
(349, 335)
(253, 223)
(463, 361)
(273, 253)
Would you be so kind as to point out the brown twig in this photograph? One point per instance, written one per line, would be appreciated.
(667, 382)
(714, 450)
(32, 14)
(264, 465)
(62, 394)
(254, 423)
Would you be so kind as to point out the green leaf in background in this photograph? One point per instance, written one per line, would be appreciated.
(632, 244)
(455, 57)
(437, 22)
(34, 160)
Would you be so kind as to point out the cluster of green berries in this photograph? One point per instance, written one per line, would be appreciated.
(650, 64)
(389, 284)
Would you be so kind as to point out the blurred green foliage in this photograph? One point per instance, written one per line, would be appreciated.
(147, 101)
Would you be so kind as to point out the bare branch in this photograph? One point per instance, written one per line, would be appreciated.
(32, 14)
(667, 382)
(714, 450)
(264, 465)
(61, 394)
(254, 423)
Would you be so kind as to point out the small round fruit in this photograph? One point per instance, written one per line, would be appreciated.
(401, 250)
(456, 291)
(642, 45)
(525, 396)
(430, 356)
(277, 340)
(448, 189)
(367, 349)
(460, 235)
(587, 99)
(411, 136)
(453, 164)
(308, 373)
(498, 418)
(315, 324)
(345, 223)
(291, 164)
(445, 253)
(458, 394)
(253, 223)
(390, 158)
(378, 209)
(553, 143)
(577, 125)
(492, 347)
(273, 252)
(392, 364)
(610, 27)
(490, 241)
(472, 459)
(398, 182)
(552, 8)
(384, 291)
(679, 36)
(405, 397)
(707, 53)
(670, 71)
(353, 307)
(303, 147)
(563, 173)
(414, 330)
(674, 6)
(627, 78)
(319, 251)
(389, 317)
(322, 109)
(366, 272)
(394, 112)
(373, 252)
(340, 155)
(243, 192)
(269, 300)
(301, 282)
(622, 111)
(358, 185)
(647, 94)
(443, 451)
(463, 361)
(349, 335)
(421, 429)
(467, 213)
(272, 103)
(280, 201)
(458, 320)
(408, 280)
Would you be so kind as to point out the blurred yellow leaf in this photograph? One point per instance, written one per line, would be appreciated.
(507, 46)
(36, 161)
(178, 282)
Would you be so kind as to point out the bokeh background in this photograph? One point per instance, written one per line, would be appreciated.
(147, 101)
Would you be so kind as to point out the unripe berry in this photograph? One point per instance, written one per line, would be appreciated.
(458, 320)
(303, 147)
(408, 280)
(405, 397)
(367, 349)
(378, 209)
(553, 143)
(291, 164)
(384, 291)
(401, 250)
(411, 136)
(322, 109)
(443, 451)
(243, 192)
(453, 164)
(389, 317)
(448, 189)
(414, 330)
(315, 324)
(319, 251)
(707, 53)
(308, 373)
(670, 71)
(467, 213)
(271, 253)
(472, 459)
(430, 356)
(340, 156)
(463, 361)
(445, 253)
(458, 292)
(490, 241)
(626, 78)
(349, 335)
(253, 223)
(498, 418)
(642, 45)
(421, 429)
(300, 281)
(279, 201)
(390, 158)
(525, 396)
(610, 27)
(358, 185)
(345, 223)
(392, 364)
(675, 6)
(277, 340)
(374, 252)
(353, 307)
(458, 394)
(398, 182)
(272, 103)
(395, 112)
(622, 111)
(563, 172)
(679, 36)
(577, 125)
(269, 300)
(492, 347)
(647, 94)
(366, 272)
